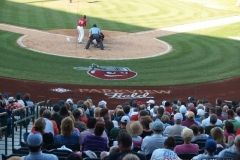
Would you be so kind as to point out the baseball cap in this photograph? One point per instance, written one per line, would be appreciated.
(178, 116)
(200, 112)
(69, 101)
(34, 139)
(125, 119)
(151, 101)
(102, 104)
(211, 145)
(182, 109)
(11, 99)
(157, 125)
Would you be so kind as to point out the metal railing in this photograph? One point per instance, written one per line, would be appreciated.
(20, 117)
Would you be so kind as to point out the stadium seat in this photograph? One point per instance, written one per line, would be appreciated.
(186, 156)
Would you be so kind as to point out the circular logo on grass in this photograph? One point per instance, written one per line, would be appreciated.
(109, 72)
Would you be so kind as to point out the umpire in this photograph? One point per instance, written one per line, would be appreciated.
(94, 33)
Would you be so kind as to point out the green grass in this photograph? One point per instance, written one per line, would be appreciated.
(202, 56)
(195, 58)
(124, 15)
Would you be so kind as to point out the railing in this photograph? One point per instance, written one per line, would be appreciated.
(24, 115)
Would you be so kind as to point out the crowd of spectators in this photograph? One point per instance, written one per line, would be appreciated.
(134, 130)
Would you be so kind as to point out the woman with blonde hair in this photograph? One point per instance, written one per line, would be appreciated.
(135, 129)
(67, 137)
(218, 136)
(187, 147)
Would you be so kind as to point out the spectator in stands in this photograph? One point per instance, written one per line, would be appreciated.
(19, 99)
(168, 107)
(69, 102)
(51, 125)
(90, 130)
(160, 112)
(166, 152)
(155, 141)
(13, 104)
(117, 117)
(200, 115)
(39, 126)
(187, 147)
(15, 158)
(67, 137)
(130, 157)
(34, 141)
(224, 112)
(96, 142)
(183, 111)
(219, 112)
(190, 120)
(238, 114)
(123, 123)
(81, 126)
(177, 128)
(213, 121)
(196, 134)
(29, 103)
(233, 151)
(126, 109)
(145, 121)
(3, 120)
(104, 113)
(165, 120)
(231, 118)
(124, 145)
(135, 129)
(56, 116)
(206, 121)
(229, 134)
(217, 135)
(97, 111)
(210, 148)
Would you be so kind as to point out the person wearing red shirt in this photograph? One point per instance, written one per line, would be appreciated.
(82, 22)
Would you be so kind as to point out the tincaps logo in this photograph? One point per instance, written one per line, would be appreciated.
(109, 72)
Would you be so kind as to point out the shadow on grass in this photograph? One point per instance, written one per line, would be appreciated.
(26, 15)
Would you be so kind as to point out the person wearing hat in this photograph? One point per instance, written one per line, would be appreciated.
(34, 142)
(116, 130)
(190, 120)
(177, 128)
(155, 141)
(94, 34)
(210, 148)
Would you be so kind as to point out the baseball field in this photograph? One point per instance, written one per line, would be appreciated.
(38, 42)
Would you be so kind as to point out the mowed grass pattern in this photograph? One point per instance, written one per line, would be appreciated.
(124, 15)
(202, 56)
(194, 59)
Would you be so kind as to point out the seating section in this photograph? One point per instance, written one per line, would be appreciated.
(75, 128)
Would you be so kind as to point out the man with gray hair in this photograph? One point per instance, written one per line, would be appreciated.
(177, 128)
(232, 152)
